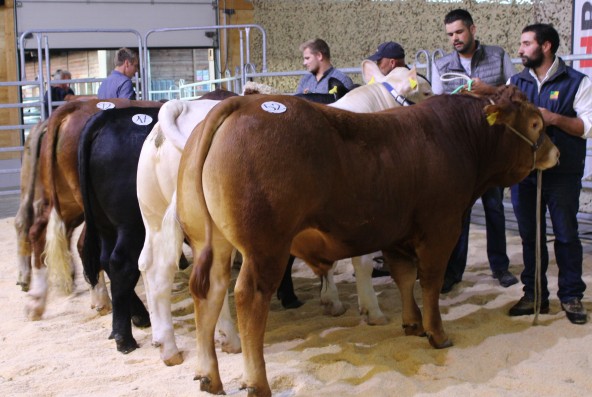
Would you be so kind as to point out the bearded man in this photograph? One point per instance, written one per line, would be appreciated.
(564, 97)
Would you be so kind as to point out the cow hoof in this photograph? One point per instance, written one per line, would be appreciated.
(205, 384)
(254, 392)
(228, 345)
(34, 313)
(141, 321)
(24, 286)
(292, 303)
(378, 320)
(413, 330)
(34, 308)
(176, 359)
(443, 345)
(126, 346)
(334, 309)
(103, 310)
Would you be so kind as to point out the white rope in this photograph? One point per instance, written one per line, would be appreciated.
(454, 76)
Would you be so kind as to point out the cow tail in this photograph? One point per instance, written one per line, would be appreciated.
(172, 233)
(91, 251)
(168, 114)
(57, 257)
(26, 211)
(51, 137)
(199, 281)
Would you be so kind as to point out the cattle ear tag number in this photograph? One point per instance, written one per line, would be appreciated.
(105, 105)
(141, 119)
(273, 107)
(491, 118)
(413, 83)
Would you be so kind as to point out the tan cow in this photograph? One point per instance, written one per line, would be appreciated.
(277, 175)
(157, 177)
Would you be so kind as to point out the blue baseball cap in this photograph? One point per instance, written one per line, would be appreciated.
(390, 49)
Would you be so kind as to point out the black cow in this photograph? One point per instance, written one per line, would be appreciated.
(108, 154)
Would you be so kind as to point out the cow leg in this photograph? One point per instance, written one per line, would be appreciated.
(367, 301)
(99, 296)
(158, 276)
(21, 225)
(285, 292)
(404, 272)
(258, 278)
(330, 295)
(124, 274)
(206, 316)
(24, 266)
(37, 295)
(431, 277)
(226, 333)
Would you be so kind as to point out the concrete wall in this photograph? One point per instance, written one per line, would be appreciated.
(353, 29)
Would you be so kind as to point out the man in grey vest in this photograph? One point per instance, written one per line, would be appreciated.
(491, 65)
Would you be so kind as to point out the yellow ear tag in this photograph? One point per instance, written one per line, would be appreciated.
(333, 90)
(372, 81)
(491, 118)
(413, 83)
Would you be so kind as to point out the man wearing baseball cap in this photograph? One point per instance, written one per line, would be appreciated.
(388, 56)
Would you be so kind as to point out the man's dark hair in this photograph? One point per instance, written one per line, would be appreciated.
(544, 32)
(459, 15)
(317, 46)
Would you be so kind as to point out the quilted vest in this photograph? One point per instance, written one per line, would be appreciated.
(557, 95)
(487, 64)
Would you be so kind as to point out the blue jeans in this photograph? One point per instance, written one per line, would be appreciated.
(495, 225)
(560, 194)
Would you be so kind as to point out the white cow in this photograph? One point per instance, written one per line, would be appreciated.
(157, 178)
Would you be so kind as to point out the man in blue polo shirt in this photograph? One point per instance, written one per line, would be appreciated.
(317, 60)
(119, 83)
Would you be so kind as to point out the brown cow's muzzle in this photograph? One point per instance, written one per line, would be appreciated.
(547, 155)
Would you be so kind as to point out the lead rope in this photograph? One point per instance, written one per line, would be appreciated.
(456, 76)
(537, 269)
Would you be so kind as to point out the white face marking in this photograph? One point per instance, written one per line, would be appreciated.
(273, 107)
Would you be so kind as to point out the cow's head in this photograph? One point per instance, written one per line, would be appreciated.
(523, 119)
(406, 82)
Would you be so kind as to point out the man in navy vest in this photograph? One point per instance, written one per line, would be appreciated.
(484, 64)
(564, 97)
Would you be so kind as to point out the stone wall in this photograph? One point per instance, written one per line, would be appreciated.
(353, 29)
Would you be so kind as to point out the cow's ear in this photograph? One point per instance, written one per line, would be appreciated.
(371, 71)
(412, 77)
(496, 114)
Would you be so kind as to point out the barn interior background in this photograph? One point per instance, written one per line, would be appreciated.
(352, 28)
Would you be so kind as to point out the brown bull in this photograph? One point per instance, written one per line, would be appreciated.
(279, 175)
(60, 199)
